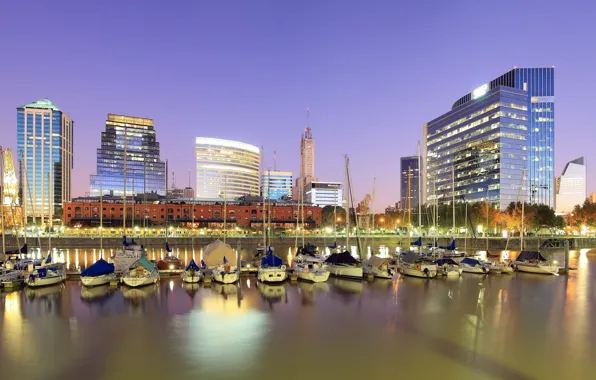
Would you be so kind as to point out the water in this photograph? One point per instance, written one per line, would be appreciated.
(519, 326)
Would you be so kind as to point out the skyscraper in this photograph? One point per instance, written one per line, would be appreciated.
(44, 149)
(409, 180)
(571, 186)
(307, 163)
(497, 142)
(276, 184)
(128, 143)
(226, 168)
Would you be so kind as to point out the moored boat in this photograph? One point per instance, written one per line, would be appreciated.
(344, 265)
(534, 262)
(142, 272)
(220, 260)
(170, 263)
(471, 265)
(377, 266)
(309, 266)
(47, 274)
(100, 273)
(10, 277)
(124, 258)
(192, 274)
(271, 269)
(413, 265)
(448, 267)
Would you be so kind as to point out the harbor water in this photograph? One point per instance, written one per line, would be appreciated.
(518, 326)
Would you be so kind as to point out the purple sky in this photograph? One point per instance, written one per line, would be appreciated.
(371, 73)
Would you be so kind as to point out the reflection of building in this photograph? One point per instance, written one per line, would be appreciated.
(128, 142)
(409, 181)
(240, 212)
(226, 168)
(276, 184)
(324, 194)
(514, 111)
(307, 164)
(44, 148)
(571, 186)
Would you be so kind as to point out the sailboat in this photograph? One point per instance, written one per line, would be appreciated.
(414, 265)
(46, 274)
(170, 263)
(192, 274)
(127, 256)
(272, 269)
(377, 266)
(309, 265)
(344, 264)
(220, 260)
(448, 267)
(10, 277)
(472, 265)
(534, 262)
(142, 272)
(100, 273)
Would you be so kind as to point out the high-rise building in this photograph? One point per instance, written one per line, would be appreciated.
(307, 164)
(226, 168)
(409, 178)
(188, 192)
(128, 144)
(497, 142)
(571, 186)
(276, 184)
(44, 149)
(324, 194)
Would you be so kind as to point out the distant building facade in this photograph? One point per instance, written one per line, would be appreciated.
(324, 194)
(409, 177)
(44, 149)
(276, 184)
(571, 186)
(188, 192)
(496, 143)
(128, 143)
(307, 164)
(226, 168)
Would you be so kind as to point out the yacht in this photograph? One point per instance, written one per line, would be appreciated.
(170, 263)
(46, 274)
(124, 258)
(142, 272)
(271, 269)
(10, 277)
(220, 260)
(534, 262)
(100, 273)
(448, 267)
(378, 267)
(192, 274)
(309, 266)
(412, 264)
(471, 265)
(344, 265)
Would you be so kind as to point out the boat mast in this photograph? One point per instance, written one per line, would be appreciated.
(101, 214)
(145, 200)
(419, 199)
(124, 190)
(347, 195)
(521, 232)
(302, 212)
(487, 205)
(134, 200)
(453, 194)
(359, 247)
(373, 214)
(2, 197)
(49, 213)
(269, 206)
(225, 207)
(335, 224)
(409, 201)
(263, 199)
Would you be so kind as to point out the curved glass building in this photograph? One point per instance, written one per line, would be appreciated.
(226, 168)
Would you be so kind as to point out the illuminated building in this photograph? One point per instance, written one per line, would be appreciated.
(490, 138)
(324, 194)
(307, 164)
(44, 148)
(571, 186)
(409, 165)
(276, 184)
(130, 139)
(226, 168)
(10, 192)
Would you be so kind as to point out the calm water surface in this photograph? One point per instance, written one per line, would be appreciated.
(520, 326)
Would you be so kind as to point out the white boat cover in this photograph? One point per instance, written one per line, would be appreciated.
(215, 252)
(376, 261)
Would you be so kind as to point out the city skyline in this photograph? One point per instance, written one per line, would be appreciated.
(350, 71)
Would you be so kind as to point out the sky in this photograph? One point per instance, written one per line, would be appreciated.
(370, 72)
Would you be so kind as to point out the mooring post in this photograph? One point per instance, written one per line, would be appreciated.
(566, 255)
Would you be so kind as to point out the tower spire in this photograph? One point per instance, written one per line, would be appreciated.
(307, 133)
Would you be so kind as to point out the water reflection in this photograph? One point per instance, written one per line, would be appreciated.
(273, 294)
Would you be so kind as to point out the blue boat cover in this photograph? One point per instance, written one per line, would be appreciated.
(271, 261)
(192, 265)
(100, 268)
(333, 246)
(124, 242)
(168, 249)
(470, 261)
(225, 260)
(42, 272)
(49, 259)
(310, 249)
(444, 261)
(417, 243)
(203, 265)
(530, 255)
(450, 247)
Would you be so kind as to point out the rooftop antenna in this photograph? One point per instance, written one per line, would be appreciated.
(274, 160)
(307, 134)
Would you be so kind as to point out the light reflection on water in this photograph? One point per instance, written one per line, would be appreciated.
(518, 326)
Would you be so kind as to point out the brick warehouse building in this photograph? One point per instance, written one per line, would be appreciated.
(241, 213)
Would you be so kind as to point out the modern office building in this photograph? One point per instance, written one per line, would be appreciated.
(188, 192)
(307, 164)
(571, 186)
(496, 142)
(44, 149)
(409, 178)
(226, 168)
(324, 194)
(129, 153)
(276, 184)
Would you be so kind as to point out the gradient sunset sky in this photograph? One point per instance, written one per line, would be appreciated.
(371, 73)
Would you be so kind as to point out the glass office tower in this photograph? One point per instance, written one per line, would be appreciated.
(409, 165)
(132, 139)
(276, 184)
(44, 149)
(496, 142)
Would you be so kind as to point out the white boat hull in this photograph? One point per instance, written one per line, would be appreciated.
(418, 270)
(98, 280)
(347, 271)
(378, 273)
(45, 281)
(191, 278)
(537, 268)
(313, 276)
(135, 282)
(272, 274)
(474, 270)
(225, 277)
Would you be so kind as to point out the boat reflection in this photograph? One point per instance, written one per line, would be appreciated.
(191, 288)
(136, 296)
(272, 294)
(97, 294)
(308, 291)
(44, 292)
(346, 290)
